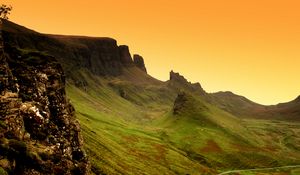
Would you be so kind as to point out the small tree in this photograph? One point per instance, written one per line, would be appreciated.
(5, 11)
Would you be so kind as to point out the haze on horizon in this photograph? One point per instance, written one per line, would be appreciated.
(249, 48)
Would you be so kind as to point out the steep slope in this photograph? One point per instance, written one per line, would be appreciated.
(39, 133)
(112, 134)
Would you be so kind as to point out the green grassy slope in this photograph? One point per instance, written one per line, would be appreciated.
(117, 144)
(223, 141)
(138, 133)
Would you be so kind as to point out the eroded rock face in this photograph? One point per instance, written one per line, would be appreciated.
(125, 55)
(181, 83)
(39, 133)
(180, 103)
(139, 62)
(102, 56)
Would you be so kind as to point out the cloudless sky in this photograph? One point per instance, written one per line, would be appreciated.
(249, 47)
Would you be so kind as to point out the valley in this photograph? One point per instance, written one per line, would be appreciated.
(218, 142)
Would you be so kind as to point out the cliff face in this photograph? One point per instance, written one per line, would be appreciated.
(39, 133)
(139, 62)
(101, 56)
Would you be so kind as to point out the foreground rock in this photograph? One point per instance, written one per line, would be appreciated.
(38, 130)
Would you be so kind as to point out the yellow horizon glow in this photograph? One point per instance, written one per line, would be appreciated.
(251, 48)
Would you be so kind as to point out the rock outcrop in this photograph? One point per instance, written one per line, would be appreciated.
(179, 82)
(180, 103)
(38, 130)
(139, 62)
(185, 104)
(125, 55)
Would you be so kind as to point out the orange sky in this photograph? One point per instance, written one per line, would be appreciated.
(249, 47)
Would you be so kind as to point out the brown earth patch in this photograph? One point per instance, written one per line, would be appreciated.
(270, 148)
(211, 147)
(130, 139)
(161, 152)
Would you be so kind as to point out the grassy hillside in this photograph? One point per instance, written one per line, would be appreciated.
(135, 124)
(140, 132)
(119, 141)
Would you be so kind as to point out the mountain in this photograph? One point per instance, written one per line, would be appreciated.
(242, 107)
(133, 123)
(178, 82)
(103, 57)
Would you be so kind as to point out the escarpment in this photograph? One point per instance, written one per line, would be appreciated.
(39, 132)
(101, 56)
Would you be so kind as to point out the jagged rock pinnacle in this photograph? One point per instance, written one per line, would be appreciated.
(139, 62)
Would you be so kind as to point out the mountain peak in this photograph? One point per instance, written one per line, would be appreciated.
(174, 76)
(139, 62)
(125, 55)
(180, 82)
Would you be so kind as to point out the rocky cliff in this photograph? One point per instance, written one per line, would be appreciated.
(39, 132)
(139, 62)
(100, 55)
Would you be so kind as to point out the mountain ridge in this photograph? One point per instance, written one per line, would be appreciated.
(102, 56)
